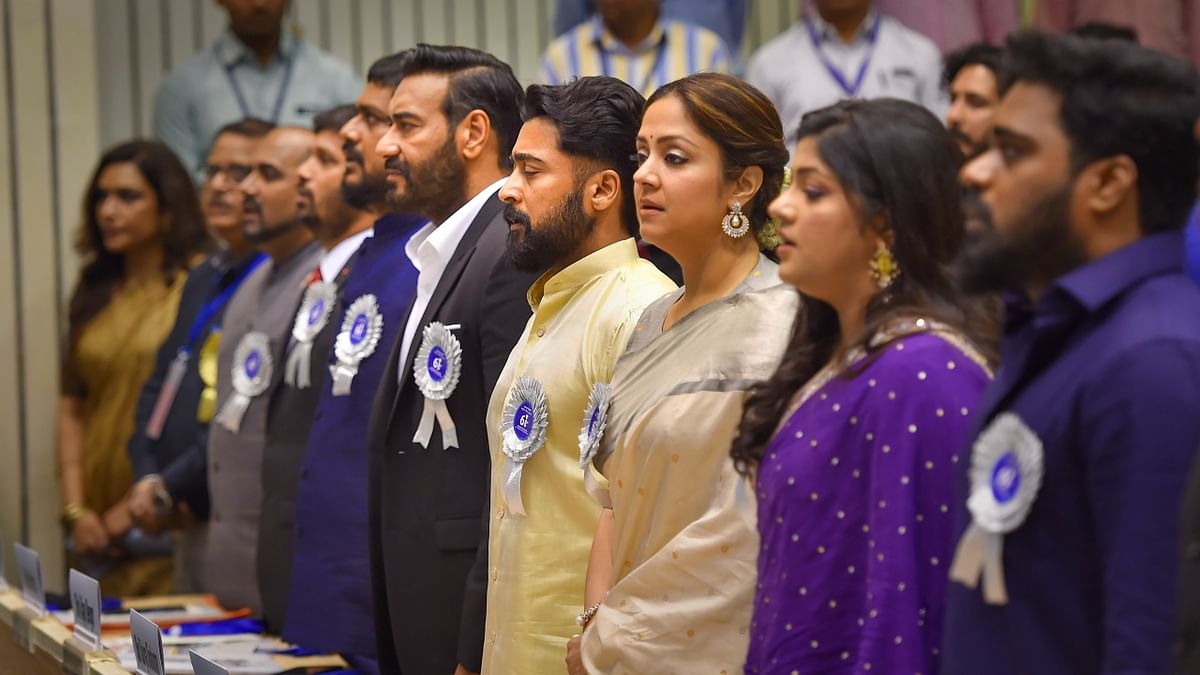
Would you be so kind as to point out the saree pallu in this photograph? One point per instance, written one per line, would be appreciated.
(685, 542)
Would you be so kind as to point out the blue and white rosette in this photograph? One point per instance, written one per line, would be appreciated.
(358, 338)
(436, 370)
(1006, 474)
(251, 375)
(523, 432)
(315, 308)
(595, 419)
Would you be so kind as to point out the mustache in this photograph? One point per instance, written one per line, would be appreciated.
(250, 204)
(352, 153)
(398, 165)
(513, 215)
(976, 211)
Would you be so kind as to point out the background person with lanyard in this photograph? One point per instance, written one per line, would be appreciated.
(846, 49)
(168, 449)
(255, 69)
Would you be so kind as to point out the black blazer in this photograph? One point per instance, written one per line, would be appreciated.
(1187, 642)
(428, 506)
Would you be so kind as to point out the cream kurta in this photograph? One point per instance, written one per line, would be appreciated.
(582, 319)
(685, 542)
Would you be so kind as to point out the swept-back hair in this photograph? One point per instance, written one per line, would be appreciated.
(597, 120)
(478, 81)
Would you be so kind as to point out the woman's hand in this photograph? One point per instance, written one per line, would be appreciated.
(89, 535)
(575, 657)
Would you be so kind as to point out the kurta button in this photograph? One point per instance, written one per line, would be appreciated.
(541, 332)
(495, 573)
(500, 512)
(1193, 550)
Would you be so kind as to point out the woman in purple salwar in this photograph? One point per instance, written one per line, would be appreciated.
(852, 443)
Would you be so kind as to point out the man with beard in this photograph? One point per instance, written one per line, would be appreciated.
(249, 362)
(1072, 484)
(169, 446)
(341, 230)
(971, 75)
(571, 211)
(329, 605)
(455, 116)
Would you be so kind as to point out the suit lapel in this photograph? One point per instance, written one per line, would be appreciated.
(446, 285)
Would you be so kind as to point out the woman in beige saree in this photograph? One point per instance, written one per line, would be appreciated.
(671, 577)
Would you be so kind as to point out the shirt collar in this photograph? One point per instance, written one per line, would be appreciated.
(335, 258)
(231, 51)
(582, 271)
(438, 242)
(828, 32)
(609, 42)
(1099, 281)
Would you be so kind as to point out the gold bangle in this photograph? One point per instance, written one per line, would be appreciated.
(73, 512)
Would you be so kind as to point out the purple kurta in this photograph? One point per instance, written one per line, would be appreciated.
(855, 495)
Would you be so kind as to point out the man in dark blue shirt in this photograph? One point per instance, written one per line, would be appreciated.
(1067, 519)
(169, 445)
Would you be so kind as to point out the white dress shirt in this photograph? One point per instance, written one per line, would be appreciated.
(336, 258)
(430, 250)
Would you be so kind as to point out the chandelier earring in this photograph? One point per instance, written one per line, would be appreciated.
(735, 224)
(883, 266)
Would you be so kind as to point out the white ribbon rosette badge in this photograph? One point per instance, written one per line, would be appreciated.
(595, 420)
(315, 308)
(523, 431)
(251, 375)
(358, 338)
(437, 369)
(1006, 474)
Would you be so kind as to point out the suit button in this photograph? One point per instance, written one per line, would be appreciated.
(1193, 550)
(216, 466)
(216, 517)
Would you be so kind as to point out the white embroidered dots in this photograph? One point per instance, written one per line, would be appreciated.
(921, 376)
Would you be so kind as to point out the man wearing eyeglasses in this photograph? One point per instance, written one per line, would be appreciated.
(168, 449)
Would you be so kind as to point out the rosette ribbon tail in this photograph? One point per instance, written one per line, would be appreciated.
(594, 489)
(343, 377)
(425, 427)
(980, 554)
(233, 411)
(512, 486)
(296, 372)
(446, 422)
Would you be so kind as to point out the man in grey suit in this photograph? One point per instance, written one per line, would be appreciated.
(454, 118)
(258, 322)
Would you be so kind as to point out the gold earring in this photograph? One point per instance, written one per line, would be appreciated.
(735, 223)
(884, 268)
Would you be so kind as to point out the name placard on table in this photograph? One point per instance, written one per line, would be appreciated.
(203, 666)
(147, 645)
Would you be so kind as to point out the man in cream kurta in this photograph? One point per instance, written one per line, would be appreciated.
(584, 311)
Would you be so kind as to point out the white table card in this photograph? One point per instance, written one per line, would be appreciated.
(147, 645)
(30, 568)
(85, 605)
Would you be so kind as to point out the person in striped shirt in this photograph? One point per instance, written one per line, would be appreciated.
(631, 41)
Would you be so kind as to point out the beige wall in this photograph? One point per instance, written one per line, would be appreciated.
(80, 75)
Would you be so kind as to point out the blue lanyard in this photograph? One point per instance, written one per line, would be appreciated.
(283, 90)
(213, 306)
(606, 66)
(872, 36)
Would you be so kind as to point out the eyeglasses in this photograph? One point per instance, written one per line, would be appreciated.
(235, 172)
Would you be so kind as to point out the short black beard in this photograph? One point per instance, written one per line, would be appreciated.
(1042, 250)
(975, 149)
(537, 249)
(434, 188)
(368, 192)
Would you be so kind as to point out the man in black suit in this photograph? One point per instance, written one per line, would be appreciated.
(454, 118)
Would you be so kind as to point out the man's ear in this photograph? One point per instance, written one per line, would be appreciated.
(473, 133)
(1109, 182)
(602, 191)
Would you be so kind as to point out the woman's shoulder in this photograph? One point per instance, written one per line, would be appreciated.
(933, 356)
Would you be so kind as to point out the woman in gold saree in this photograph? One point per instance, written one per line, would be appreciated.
(671, 576)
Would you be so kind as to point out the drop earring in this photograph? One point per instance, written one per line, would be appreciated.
(884, 268)
(735, 224)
